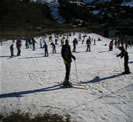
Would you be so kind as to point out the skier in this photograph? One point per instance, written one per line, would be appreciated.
(111, 45)
(83, 38)
(94, 41)
(67, 56)
(62, 41)
(124, 54)
(116, 43)
(29, 42)
(45, 49)
(41, 43)
(18, 45)
(54, 47)
(99, 39)
(12, 50)
(75, 41)
(50, 38)
(33, 44)
(56, 41)
(88, 43)
(79, 36)
(26, 44)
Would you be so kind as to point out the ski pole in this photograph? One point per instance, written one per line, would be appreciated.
(120, 65)
(76, 71)
(122, 62)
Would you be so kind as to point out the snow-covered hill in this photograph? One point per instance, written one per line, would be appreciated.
(29, 82)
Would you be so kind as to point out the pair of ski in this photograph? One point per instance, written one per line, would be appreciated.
(74, 85)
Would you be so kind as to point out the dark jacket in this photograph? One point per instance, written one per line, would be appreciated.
(19, 43)
(11, 47)
(45, 47)
(123, 54)
(88, 42)
(66, 53)
(53, 45)
(75, 42)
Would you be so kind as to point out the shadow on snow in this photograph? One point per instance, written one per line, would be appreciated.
(131, 62)
(32, 57)
(4, 56)
(52, 88)
(21, 93)
(98, 79)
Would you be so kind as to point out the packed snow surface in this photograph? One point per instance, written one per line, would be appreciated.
(29, 82)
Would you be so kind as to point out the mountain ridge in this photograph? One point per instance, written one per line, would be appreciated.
(35, 19)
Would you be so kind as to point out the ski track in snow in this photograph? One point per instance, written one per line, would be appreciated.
(28, 83)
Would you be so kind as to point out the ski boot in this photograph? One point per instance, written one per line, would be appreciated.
(126, 72)
(67, 84)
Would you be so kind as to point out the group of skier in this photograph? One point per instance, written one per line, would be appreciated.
(88, 43)
(18, 46)
(67, 54)
(67, 57)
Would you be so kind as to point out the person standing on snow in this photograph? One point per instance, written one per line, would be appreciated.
(88, 43)
(54, 47)
(50, 38)
(41, 43)
(12, 50)
(94, 41)
(67, 56)
(18, 45)
(75, 41)
(45, 49)
(62, 41)
(116, 43)
(26, 44)
(79, 36)
(111, 45)
(124, 54)
(56, 42)
(33, 44)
